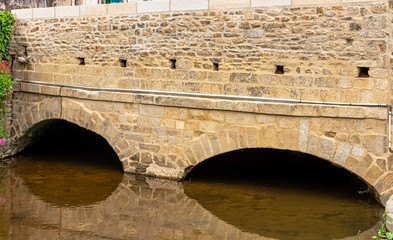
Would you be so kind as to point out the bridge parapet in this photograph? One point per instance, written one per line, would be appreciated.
(142, 7)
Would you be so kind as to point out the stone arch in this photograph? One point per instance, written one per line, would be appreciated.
(353, 158)
(38, 108)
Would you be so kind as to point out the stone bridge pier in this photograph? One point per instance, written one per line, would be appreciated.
(170, 85)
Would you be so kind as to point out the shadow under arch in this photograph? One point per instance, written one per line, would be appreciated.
(274, 193)
(65, 164)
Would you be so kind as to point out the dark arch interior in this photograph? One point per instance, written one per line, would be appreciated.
(68, 140)
(281, 168)
(66, 165)
(284, 195)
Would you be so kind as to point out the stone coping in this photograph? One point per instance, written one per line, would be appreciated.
(389, 210)
(158, 6)
(208, 103)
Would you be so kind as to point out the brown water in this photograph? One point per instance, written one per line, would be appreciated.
(46, 198)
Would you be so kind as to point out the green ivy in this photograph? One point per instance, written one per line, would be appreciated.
(6, 26)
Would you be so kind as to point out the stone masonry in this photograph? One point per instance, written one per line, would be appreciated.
(338, 52)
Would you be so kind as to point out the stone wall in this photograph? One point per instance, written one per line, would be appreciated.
(337, 53)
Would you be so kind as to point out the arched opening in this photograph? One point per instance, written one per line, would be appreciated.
(67, 165)
(284, 194)
(65, 139)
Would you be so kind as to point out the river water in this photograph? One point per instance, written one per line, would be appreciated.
(43, 197)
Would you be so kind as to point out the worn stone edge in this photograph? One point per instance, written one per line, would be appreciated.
(266, 107)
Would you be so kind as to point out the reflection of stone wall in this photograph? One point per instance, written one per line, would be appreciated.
(155, 209)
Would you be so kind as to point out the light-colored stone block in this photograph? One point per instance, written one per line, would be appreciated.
(181, 5)
(93, 10)
(153, 6)
(43, 12)
(73, 11)
(23, 13)
(121, 9)
(346, 1)
(263, 3)
(225, 4)
(314, 2)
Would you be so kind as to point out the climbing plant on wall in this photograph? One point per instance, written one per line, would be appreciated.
(6, 82)
(6, 26)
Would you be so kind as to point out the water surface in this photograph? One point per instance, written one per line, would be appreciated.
(51, 198)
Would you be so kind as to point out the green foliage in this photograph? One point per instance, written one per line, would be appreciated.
(383, 233)
(6, 82)
(6, 26)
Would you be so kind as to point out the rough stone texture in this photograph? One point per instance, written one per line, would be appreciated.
(320, 51)
(312, 53)
(162, 135)
(389, 210)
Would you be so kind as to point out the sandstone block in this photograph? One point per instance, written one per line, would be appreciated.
(73, 11)
(342, 153)
(303, 135)
(226, 4)
(93, 10)
(183, 5)
(263, 3)
(373, 174)
(43, 12)
(121, 9)
(314, 2)
(375, 144)
(153, 6)
(326, 148)
(23, 13)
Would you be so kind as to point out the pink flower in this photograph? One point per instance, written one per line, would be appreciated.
(1, 109)
(3, 123)
(5, 89)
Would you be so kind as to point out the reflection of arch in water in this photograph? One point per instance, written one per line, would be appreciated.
(67, 182)
(137, 209)
(265, 190)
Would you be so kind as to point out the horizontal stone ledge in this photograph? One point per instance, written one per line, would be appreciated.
(212, 103)
(157, 6)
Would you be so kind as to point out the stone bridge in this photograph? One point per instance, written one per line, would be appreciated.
(169, 85)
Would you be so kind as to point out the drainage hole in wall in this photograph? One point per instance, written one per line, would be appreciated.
(363, 72)
(215, 66)
(81, 61)
(123, 62)
(173, 63)
(279, 69)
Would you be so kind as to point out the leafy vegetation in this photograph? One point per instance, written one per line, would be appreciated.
(383, 232)
(6, 82)
(6, 27)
